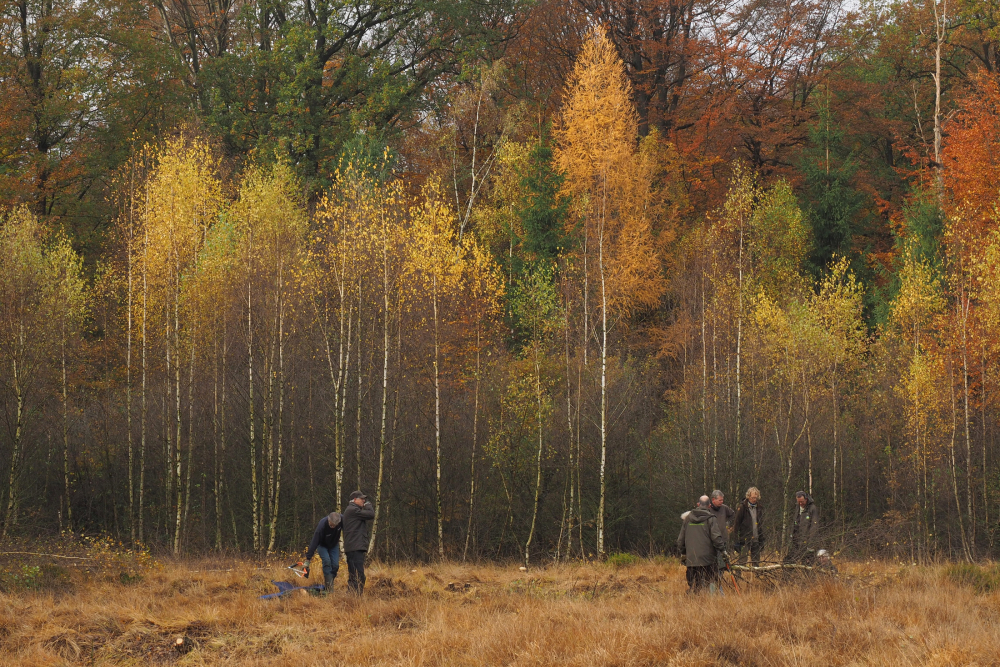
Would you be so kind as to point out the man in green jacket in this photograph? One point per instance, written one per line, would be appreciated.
(805, 529)
(702, 546)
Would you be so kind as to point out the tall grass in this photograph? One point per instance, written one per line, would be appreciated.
(452, 614)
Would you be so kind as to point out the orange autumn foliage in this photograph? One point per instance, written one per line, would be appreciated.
(972, 153)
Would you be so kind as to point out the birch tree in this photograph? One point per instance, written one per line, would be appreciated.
(40, 286)
(435, 267)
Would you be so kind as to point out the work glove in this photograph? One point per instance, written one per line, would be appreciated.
(721, 560)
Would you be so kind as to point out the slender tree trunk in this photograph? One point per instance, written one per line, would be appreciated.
(168, 451)
(142, 416)
(254, 491)
(604, 394)
(562, 522)
(739, 351)
(963, 304)
(940, 32)
(267, 426)
(954, 472)
(437, 422)
(395, 417)
(385, 385)
(579, 450)
(715, 388)
(836, 416)
(538, 464)
(809, 442)
(704, 388)
(341, 416)
(217, 461)
(986, 498)
(586, 289)
(791, 449)
(276, 487)
(357, 423)
(222, 429)
(190, 439)
(569, 433)
(475, 438)
(128, 388)
(10, 516)
(65, 428)
(178, 450)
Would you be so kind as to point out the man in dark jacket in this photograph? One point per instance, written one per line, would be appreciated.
(748, 526)
(702, 546)
(723, 512)
(326, 542)
(356, 517)
(805, 529)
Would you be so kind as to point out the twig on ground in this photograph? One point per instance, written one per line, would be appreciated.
(32, 553)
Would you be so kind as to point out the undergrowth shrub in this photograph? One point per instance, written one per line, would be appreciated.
(982, 579)
(128, 565)
(25, 578)
(622, 560)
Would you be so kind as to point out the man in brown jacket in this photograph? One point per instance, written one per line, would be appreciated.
(748, 526)
(701, 544)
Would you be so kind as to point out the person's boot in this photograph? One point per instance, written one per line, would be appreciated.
(328, 583)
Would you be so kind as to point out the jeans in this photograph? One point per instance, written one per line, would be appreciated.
(331, 560)
(356, 571)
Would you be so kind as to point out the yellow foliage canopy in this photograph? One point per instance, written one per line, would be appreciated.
(608, 175)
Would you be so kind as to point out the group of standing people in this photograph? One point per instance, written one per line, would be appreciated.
(706, 531)
(703, 541)
(352, 526)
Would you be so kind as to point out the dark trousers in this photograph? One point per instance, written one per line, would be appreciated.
(356, 571)
(751, 546)
(700, 576)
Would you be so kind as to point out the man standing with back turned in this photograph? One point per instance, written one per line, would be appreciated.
(356, 517)
(702, 546)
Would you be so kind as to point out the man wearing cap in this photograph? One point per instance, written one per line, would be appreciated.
(356, 517)
(326, 542)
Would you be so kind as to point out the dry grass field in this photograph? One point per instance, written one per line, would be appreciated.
(452, 614)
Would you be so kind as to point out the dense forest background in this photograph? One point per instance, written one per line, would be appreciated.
(534, 275)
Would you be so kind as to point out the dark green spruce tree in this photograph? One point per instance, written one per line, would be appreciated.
(542, 212)
(834, 206)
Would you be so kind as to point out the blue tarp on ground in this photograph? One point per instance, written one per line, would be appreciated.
(284, 588)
